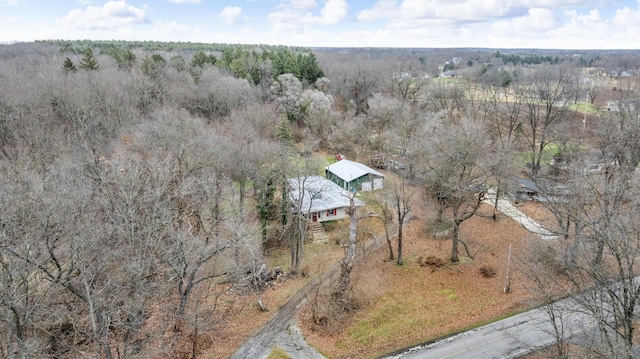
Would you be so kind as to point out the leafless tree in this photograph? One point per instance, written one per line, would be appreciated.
(501, 112)
(408, 83)
(545, 92)
(456, 175)
(346, 266)
(400, 197)
(217, 94)
(449, 97)
(385, 215)
(304, 190)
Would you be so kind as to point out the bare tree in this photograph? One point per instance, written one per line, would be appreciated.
(346, 266)
(384, 115)
(455, 173)
(408, 84)
(400, 196)
(303, 193)
(385, 215)
(501, 112)
(216, 94)
(545, 93)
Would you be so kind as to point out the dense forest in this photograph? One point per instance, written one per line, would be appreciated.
(136, 176)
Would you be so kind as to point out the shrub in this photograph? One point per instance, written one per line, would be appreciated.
(488, 271)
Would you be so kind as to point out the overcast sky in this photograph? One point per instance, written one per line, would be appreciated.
(561, 24)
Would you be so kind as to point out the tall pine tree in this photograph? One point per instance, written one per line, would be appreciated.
(69, 66)
(88, 61)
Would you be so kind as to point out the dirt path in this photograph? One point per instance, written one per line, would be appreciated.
(281, 331)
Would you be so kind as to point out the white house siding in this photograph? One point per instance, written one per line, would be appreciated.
(377, 183)
(340, 214)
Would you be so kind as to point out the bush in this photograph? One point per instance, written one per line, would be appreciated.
(487, 271)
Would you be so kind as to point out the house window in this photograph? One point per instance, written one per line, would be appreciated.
(331, 212)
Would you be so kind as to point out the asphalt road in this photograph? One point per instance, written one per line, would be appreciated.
(512, 337)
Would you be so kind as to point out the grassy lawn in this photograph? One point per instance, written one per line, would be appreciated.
(279, 353)
(582, 107)
(413, 303)
(550, 150)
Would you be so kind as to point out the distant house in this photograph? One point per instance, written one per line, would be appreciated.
(597, 162)
(541, 191)
(628, 105)
(319, 199)
(349, 175)
(449, 74)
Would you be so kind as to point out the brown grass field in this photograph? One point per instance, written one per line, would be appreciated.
(409, 304)
(396, 306)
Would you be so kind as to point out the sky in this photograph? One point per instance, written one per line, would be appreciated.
(545, 24)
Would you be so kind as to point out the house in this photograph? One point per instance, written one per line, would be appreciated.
(319, 199)
(541, 191)
(350, 174)
(449, 74)
(628, 105)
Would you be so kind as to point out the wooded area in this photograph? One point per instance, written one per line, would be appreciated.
(136, 177)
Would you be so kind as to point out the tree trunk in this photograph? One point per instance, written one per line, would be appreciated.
(347, 262)
(494, 216)
(454, 244)
(400, 261)
(440, 213)
(388, 238)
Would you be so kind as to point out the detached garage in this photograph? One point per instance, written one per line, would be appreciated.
(349, 174)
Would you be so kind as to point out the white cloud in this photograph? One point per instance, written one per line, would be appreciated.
(627, 16)
(302, 4)
(462, 11)
(8, 20)
(459, 10)
(173, 28)
(185, 1)
(297, 15)
(10, 2)
(230, 14)
(333, 12)
(382, 9)
(111, 15)
(537, 21)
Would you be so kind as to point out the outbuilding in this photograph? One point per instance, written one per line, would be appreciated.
(351, 175)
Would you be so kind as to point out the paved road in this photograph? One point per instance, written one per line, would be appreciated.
(508, 338)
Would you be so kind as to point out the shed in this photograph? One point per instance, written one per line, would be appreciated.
(350, 174)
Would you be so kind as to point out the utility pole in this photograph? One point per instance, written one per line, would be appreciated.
(584, 119)
(507, 280)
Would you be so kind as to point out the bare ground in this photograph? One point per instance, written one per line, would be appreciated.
(397, 306)
(408, 304)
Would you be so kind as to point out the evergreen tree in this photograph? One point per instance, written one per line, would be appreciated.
(178, 63)
(125, 59)
(198, 62)
(69, 66)
(89, 62)
(153, 66)
(200, 59)
(284, 130)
